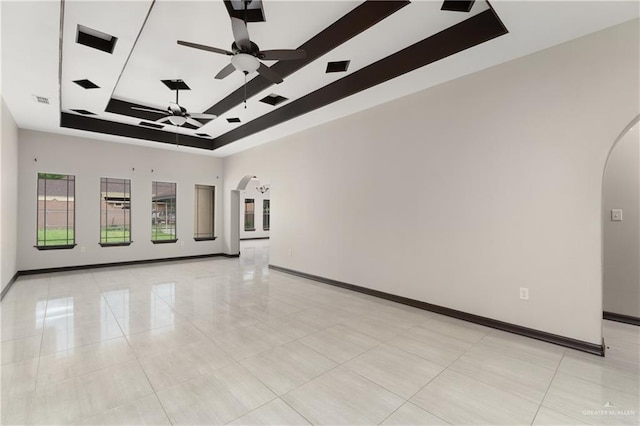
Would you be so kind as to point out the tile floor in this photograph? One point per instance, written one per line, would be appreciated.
(228, 341)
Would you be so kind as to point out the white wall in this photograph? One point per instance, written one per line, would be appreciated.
(8, 196)
(621, 288)
(258, 197)
(463, 193)
(89, 160)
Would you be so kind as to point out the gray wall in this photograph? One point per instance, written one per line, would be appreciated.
(9, 198)
(89, 160)
(461, 194)
(622, 239)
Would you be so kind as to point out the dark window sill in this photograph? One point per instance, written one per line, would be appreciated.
(265, 229)
(115, 244)
(61, 247)
(204, 238)
(164, 241)
(250, 230)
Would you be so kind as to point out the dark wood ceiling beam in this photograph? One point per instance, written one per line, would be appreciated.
(81, 122)
(363, 17)
(471, 32)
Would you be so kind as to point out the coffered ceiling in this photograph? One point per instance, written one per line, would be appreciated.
(392, 49)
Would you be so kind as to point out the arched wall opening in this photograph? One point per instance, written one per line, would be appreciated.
(249, 212)
(621, 228)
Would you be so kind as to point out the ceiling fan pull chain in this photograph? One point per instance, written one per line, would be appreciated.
(245, 89)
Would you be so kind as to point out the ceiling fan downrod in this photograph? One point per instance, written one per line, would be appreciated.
(245, 89)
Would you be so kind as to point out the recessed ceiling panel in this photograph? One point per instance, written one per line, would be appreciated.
(146, 53)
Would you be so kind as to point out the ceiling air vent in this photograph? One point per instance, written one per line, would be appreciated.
(87, 84)
(254, 12)
(273, 99)
(96, 39)
(41, 99)
(337, 66)
(457, 5)
(83, 111)
(152, 125)
(233, 120)
(176, 84)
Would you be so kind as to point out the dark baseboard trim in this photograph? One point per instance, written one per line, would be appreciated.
(127, 263)
(6, 288)
(627, 319)
(254, 238)
(477, 319)
(230, 255)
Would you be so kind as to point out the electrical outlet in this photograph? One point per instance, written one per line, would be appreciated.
(524, 293)
(290, 252)
(616, 215)
(83, 249)
(182, 243)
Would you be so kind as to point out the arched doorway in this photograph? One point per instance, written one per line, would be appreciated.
(621, 228)
(250, 217)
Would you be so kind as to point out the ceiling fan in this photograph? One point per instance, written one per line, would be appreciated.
(246, 55)
(176, 114)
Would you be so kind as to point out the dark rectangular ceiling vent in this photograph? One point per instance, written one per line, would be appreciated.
(87, 84)
(41, 99)
(337, 66)
(233, 120)
(83, 111)
(254, 13)
(204, 135)
(273, 99)
(152, 125)
(96, 39)
(457, 5)
(176, 84)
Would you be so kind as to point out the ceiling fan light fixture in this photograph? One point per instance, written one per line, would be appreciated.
(245, 62)
(177, 120)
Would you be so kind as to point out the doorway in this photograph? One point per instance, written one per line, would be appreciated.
(250, 223)
(621, 228)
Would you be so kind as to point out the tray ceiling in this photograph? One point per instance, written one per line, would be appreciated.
(394, 48)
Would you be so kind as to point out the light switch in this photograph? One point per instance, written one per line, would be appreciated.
(616, 215)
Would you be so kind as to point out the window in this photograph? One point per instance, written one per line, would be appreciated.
(56, 211)
(249, 206)
(163, 212)
(266, 205)
(205, 213)
(115, 211)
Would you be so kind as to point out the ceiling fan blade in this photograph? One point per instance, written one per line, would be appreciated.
(240, 33)
(225, 71)
(282, 54)
(203, 47)
(156, 111)
(163, 120)
(269, 74)
(193, 122)
(202, 116)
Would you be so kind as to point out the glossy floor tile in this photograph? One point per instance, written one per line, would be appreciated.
(401, 372)
(591, 402)
(514, 375)
(228, 341)
(340, 343)
(217, 398)
(341, 397)
(410, 414)
(460, 399)
(275, 413)
(287, 367)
